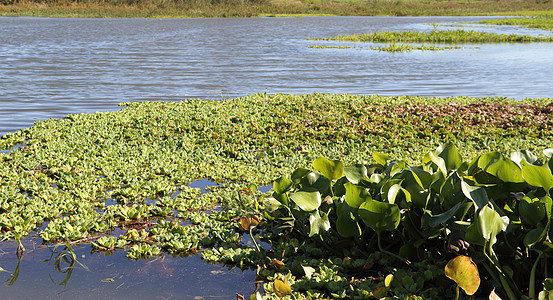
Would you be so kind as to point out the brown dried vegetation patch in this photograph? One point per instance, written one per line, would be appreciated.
(491, 114)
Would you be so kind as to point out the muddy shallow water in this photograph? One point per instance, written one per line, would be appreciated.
(52, 67)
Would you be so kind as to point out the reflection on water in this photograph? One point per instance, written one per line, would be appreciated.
(52, 67)
(57, 272)
(54, 273)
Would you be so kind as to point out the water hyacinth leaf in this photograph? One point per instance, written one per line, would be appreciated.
(548, 203)
(535, 236)
(253, 188)
(490, 223)
(271, 204)
(331, 169)
(531, 211)
(394, 191)
(316, 181)
(548, 284)
(355, 195)
(249, 223)
(380, 158)
(277, 264)
(388, 280)
(438, 161)
(282, 185)
(255, 296)
(473, 234)
(464, 272)
(526, 156)
(347, 226)
(380, 292)
(444, 217)
(298, 174)
(307, 200)
(538, 176)
(502, 168)
(318, 222)
(380, 216)
(282, 287)
(355, 173)
(476, 194)
(451, 156)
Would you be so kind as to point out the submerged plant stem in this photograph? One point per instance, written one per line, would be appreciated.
(407, 262)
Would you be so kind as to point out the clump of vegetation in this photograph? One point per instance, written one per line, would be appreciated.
(119, 180)
(438, 36)
(329, 47)
(540, 21)
(393, 47)
(493, 209)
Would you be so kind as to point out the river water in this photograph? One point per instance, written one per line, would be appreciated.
(52, 67)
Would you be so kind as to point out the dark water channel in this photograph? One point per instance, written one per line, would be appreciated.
(52, 67)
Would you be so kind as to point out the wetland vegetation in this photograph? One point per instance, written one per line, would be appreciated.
(438, 36)
(119, 181)
(255, 8)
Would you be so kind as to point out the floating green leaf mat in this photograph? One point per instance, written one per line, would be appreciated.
(119, 180)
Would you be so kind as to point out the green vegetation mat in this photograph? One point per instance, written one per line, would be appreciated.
(540, 21)
(76, 179)
(438, 36)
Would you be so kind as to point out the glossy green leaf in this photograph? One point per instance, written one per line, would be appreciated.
(538, 176)
(531, 211)
(451, 156)
(380, 158)
(476, 194)
(380, 216)
(271, 204)
(355, 195)
(331, 169)
(347, 225)
(355, 173)
(282, 185)
(505, 169)
(307, 200)
(526, 156)
(318, 222)
(490, 223)
(298, 174)
(438, 161)
(535, 236)
(443, 218)
(464, 272)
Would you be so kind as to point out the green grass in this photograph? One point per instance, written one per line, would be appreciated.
(393, 47)
(542, 21)
(437, 36)
(328, 47)
(237, 8)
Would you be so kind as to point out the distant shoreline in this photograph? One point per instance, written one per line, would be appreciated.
(269, 8)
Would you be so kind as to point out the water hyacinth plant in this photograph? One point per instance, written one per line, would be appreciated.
(124, 180)
(495, 209)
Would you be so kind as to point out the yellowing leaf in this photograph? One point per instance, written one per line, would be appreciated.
(277, 263)
(464, 272)
(282, 287)
(249, 222)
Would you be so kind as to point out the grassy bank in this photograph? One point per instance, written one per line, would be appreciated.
(235, 8)
(140, 160)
